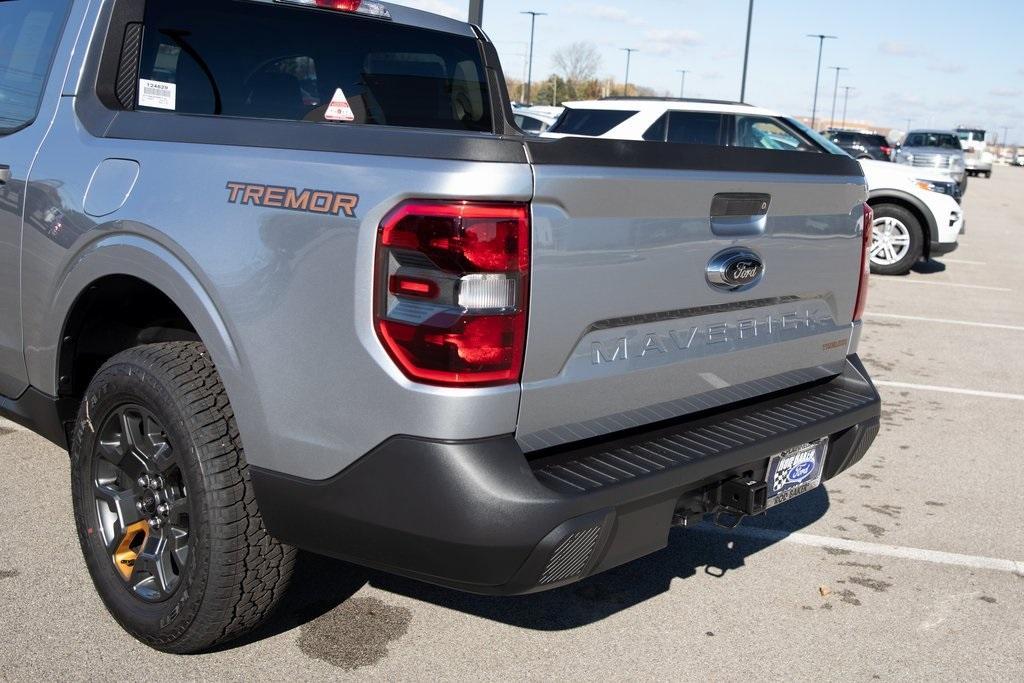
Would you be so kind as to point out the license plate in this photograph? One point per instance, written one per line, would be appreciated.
(796, 471)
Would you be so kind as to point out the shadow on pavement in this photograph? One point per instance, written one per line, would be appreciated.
(929, 267)
(321, 584)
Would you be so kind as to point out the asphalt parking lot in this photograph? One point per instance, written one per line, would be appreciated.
(909, 566)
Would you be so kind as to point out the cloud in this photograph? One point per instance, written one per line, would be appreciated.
(947, 68)
(955, 102)
(894, 49)
(1004, 92)
(679, 36)
(661, 41)
(607, 13)
(902, 100)
(437, 7)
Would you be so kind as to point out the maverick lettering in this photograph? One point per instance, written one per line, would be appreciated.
(689, 338)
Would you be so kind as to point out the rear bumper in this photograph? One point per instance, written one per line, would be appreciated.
(479, 516)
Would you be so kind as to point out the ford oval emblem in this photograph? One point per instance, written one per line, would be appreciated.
(735, 270)
(801, 471)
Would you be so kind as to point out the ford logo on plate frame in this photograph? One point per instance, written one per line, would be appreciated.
(735, 270)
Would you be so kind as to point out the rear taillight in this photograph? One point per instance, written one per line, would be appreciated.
(865, 263)
(367, 7)
(887, 151)
(451, 291)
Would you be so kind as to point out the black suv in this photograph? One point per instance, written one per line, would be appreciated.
(862, 145)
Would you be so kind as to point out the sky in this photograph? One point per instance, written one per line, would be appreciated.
(939, 63)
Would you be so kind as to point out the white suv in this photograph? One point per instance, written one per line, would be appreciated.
(913, 218)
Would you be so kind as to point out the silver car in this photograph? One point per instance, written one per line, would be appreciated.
(937, 156)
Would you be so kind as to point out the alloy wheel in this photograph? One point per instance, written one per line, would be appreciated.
(141, 503)
(890, 241)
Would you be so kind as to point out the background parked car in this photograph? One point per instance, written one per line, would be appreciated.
(536, 120)
(913, 218)
(862, 145)
(977, 157)
(936, 156)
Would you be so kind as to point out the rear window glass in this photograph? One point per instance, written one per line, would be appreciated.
(256, 60)
(591, 122)
(942, 140)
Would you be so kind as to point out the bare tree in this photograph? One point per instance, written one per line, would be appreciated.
(578, 62)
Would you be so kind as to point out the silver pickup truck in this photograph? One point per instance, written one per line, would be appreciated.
(286, 275)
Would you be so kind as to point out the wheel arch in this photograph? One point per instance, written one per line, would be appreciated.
(912, 204)
(124, 269)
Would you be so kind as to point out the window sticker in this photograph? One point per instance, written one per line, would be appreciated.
(157, 94)
(339, 108)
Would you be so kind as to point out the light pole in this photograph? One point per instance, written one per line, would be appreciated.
(629, 56)
(817, 74)
(529, 75)
(835, 94)
(746, 53)
(476, 12)
(846, 101)
(682, 81)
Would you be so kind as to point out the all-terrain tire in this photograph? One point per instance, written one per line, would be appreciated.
(227, 573)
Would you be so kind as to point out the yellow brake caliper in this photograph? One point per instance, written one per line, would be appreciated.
(128, 550)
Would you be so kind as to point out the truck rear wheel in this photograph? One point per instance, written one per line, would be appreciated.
(164, 507)
(897, 242)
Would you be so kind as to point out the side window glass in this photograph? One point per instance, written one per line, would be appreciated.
(529, 124)
(658, 131)
(695, 128)
(760, 132)
(29, 33)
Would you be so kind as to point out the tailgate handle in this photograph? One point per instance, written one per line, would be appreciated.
(740, 204)
(735, 214)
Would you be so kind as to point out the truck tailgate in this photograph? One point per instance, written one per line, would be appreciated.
(625, 328)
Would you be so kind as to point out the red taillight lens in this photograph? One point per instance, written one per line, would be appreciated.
(887, 151)
(865, 264)
(340, 5)
(369, 8)
(411, 286)
(452, 291)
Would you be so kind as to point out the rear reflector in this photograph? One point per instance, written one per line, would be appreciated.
(865, 263)
(365, 7)
(452, 283)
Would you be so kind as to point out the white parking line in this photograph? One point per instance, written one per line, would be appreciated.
(963, 262)
(864, 548)
(950, 390)
(946, 321)
(942, 284)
